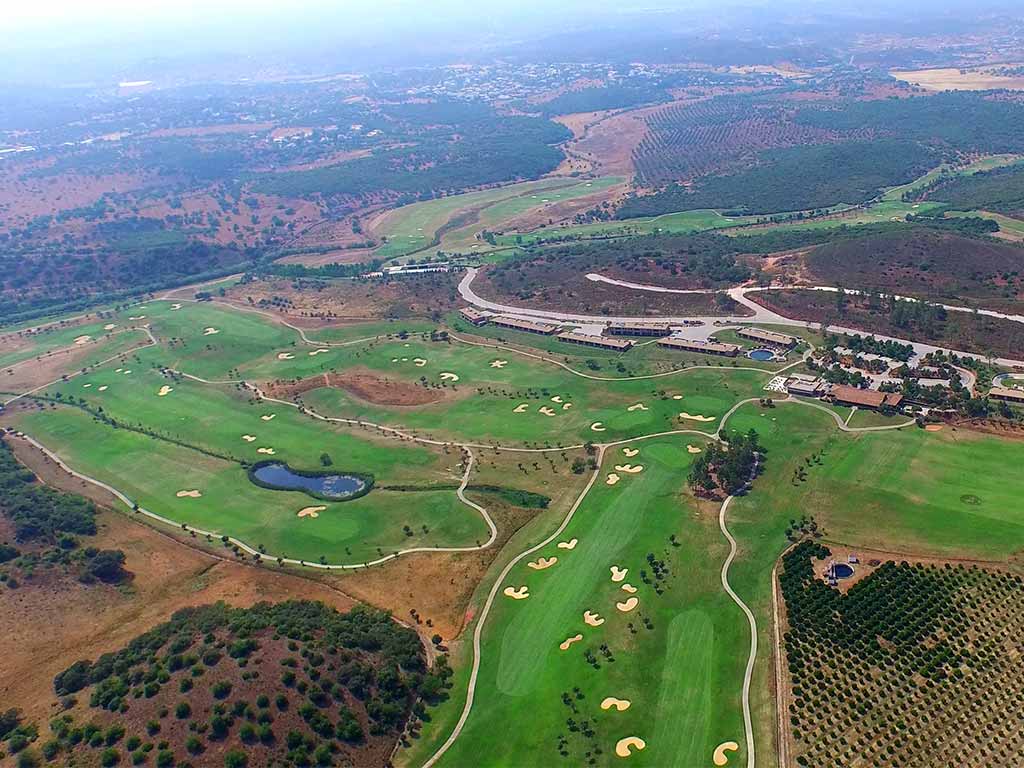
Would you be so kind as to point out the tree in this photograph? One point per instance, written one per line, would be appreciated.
(107, 565)
(325, 459)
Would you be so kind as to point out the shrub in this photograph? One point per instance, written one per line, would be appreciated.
(109, 757)
(235, 758)
(221, 690)
(183, 710)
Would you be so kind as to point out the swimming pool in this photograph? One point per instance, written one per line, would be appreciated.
(761, 355)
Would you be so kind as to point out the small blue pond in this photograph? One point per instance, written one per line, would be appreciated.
(280, 477)
(763, 355)
(842, 571)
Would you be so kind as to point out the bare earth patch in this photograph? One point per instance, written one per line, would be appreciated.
(364, 385)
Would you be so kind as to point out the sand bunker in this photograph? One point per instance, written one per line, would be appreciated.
(118, 370)
(285, 356)
(593, 619)
(137, 317)
(419, 362)
(268, 451)
(597, 426)
(210, 331)
(316, 352)
(86, 386)
(566, 406)
(546, 411)
(82, 339)
(520, 593)
(175, 306)
(677, 397)
(571, 544)
(628, 588)
(720, 758)
(448, 376)
(933, 428)
(629, 605)
(564, 645)
(521, 408)
(249, 438)
(499, 363)
(620, 705)
(637, 407)
(692, 449)
(543, 562)
(128, 372)
(685, 415)
(164, 390)
(630, 452)
(109, 326)
(103, 388)
(268, 416)
(612, 478)
(310, 511)
(618, 574)
(188, 494)
(629, 469)
(556, 399)
(622, 746)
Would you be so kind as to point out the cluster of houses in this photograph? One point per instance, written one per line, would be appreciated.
(616, 335)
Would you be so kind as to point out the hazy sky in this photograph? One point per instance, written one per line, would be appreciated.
(96, 41)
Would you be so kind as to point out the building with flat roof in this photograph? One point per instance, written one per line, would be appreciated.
(474, 316)
(808, 386)
(864, 398)
(767, 337)
(601, 342)
(639, 329)
(703, 347)
(1005, 393)
(529, 326)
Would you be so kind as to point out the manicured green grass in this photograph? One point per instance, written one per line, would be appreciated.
(481, 405)
(681, 677)
(889, 207)
(496, 216)
(684, 222)
(413, 227)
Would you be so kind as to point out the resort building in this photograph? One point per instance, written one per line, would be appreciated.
(639, 329)
(602, 342)
(704, 347)
(770, 338)
(808, 386)
(529, 326)
(1005, 393)
(474, 316)
(864, 398)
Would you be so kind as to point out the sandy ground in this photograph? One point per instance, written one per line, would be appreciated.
(621, 705)
(980, 79)
(623, 746)
(565, 644)
(720, 758)
(628, 605)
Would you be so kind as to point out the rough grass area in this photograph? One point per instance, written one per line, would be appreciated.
(291, 684)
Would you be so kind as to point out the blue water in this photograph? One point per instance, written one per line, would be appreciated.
(763, 355)
(329, 486)
(842, 571)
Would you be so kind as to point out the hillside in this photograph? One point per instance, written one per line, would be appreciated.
(291, 684)
(929, 263)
